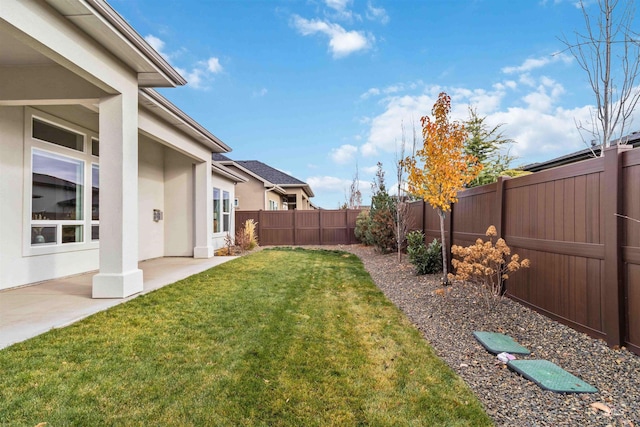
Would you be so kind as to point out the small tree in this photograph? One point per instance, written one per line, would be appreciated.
(354, 199)
(445, 169)
(402, 207)
(484, 143)
(382, 214)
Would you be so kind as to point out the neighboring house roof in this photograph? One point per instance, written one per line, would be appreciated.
(98, 19)
(585, 154)
(268, 175)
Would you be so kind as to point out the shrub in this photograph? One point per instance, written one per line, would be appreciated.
(363, 223)
(246, 237)
(382, 230)
(426, 259)
(487, 266)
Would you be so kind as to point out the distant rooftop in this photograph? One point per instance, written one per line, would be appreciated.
(633, 139)
(270, 174)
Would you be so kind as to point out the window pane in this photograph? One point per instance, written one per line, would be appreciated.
(57, 188)
(216, 210)
(95, 192)
(95, 232)
(226, 205)
(71, 233)
(95, 147)
(41, 235)
(63, 137)
(225, 222)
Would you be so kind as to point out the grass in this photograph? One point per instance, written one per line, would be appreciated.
(277, 338)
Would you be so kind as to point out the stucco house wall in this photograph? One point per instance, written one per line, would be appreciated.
(79, 67)
(17, 265)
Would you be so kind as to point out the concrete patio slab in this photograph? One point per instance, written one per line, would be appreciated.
(32, 310)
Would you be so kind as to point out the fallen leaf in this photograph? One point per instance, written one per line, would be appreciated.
(601, 406)
(41, 424)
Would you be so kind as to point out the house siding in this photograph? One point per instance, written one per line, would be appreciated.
(151, 196)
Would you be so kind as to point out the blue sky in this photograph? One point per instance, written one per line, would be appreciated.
(316, 87)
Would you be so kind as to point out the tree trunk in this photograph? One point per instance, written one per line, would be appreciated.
(445, 279)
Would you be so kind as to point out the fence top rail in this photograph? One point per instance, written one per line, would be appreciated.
(584, 167)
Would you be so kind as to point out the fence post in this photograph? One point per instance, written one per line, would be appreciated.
(500, 205)
(346, 225)
(260, 226)
(613, 292)
(320, 225)
(294, 227)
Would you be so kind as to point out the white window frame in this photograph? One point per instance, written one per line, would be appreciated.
(32, 144)
(226, 214)
(213, 202)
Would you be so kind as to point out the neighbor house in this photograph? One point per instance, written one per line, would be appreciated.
(267, 188)
(97, 170)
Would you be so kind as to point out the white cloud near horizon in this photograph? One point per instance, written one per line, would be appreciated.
(533, 118)
(342, 43)
(328, 183)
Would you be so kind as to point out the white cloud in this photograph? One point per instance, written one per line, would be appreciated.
(261, 92)
(338, 5)
(328, 183)
(377, 13)
(391, 89)
(344, 154)
(213, 65)
(157, 45)
(534, 63)
(199, 75)
(341, 42)
(374, 91)
(542, 130)
(371, 170)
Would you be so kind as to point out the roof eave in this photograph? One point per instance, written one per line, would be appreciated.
(197, 130)
(153, 70)
(228, 173)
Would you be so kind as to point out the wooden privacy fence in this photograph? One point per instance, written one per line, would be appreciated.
(585, 260)
(296, 227)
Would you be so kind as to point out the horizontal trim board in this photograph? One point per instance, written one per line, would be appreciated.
(586, 250)
(631, 254)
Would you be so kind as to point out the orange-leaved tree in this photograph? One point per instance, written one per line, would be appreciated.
(440, 169)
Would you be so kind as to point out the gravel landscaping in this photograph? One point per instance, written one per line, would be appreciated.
(448, 319)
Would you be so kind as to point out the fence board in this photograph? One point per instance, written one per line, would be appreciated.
(294, 227)
(585, 262)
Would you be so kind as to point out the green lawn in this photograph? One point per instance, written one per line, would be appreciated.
(276, 338)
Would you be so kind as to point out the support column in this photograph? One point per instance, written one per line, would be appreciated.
(119, 276)
(203, 210)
